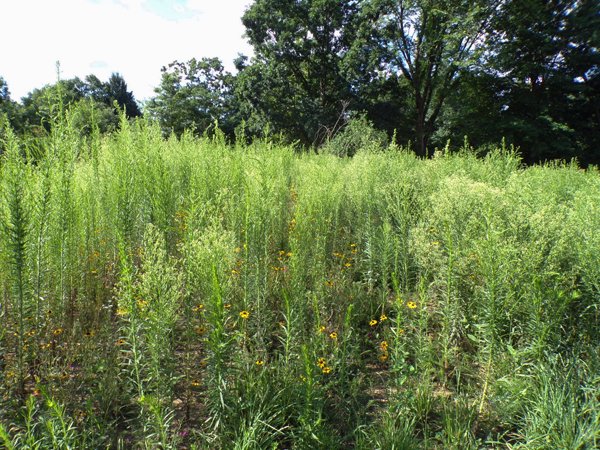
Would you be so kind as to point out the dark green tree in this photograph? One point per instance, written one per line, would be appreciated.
(97, 99)
(539, 87)
(193, 95)
(8, 107)
(115, 90)
(427, 45)
(297, 80)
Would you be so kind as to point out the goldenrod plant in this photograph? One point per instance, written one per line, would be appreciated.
(181, 292)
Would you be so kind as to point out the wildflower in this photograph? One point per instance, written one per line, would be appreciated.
(142, 304)
(411, 305)
(353, 245)
(383, 346)
(57, 331)
(259, 362)
(88, 333)
(289, 254)
(195, 383)
(321, 362)
(227, 306)
(322, 329)
(200, 330)
(198, 307)
(338, 254)
(120, 342)
(326, 370)
(244, 314)
(333, 335)
(281, 252)
(329, 283)
(373, 322)
(383, 357)
(348, 265)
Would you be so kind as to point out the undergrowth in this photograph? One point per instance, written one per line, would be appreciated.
(184, 293)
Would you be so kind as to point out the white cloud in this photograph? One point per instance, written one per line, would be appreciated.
(133, 37)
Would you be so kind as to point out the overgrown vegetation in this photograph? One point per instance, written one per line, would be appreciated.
(184, 293)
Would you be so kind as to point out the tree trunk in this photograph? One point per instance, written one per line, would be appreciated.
(420, 130)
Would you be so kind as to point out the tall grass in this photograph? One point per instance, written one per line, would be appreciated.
(183, 293)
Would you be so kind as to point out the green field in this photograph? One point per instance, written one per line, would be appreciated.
(186, 293)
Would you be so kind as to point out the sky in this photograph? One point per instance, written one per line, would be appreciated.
(132, 37)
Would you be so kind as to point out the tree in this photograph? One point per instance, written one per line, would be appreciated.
(91, 97)
(539, 88)
(7, 106)
(193, 95)
(297, 79)
(429, 43)
(116, 91)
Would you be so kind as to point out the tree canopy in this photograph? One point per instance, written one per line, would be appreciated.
(428, 72)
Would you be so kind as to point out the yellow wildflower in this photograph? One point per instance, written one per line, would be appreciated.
(411, 305)
(382, 318)
(321, 362)
(142, 304)
(373, 322)
(326, 370)
(245, 314)
(259, 362)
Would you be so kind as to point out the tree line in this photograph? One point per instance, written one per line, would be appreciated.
(428, 72)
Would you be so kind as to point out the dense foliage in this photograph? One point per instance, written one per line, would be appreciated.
(189, 294)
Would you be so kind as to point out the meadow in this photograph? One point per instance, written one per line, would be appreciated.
(189, 293)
